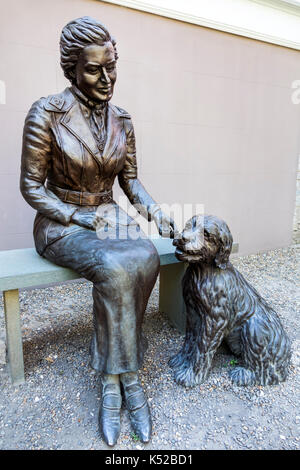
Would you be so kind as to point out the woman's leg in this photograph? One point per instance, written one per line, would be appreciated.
(123, 273)
(137, 405)
(109, 414)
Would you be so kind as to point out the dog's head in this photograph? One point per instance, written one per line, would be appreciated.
(205, 239)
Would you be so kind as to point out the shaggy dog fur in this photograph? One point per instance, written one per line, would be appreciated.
(221, 304)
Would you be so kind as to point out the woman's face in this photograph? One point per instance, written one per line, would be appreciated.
(96, 72)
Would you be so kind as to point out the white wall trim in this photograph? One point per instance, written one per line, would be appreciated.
(273, 21)
(288, 6)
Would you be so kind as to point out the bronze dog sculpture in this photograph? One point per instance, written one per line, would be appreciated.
(220, 305)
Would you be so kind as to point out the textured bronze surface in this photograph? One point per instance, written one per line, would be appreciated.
(220, 305)
(75, 144)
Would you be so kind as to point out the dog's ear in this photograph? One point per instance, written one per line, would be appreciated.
(222, 258)
(225, 241)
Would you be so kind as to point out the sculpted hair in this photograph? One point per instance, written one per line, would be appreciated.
(77, 35)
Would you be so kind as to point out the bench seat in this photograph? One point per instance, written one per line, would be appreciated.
(25, 268)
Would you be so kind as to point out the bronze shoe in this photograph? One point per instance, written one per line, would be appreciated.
(139, 411)
(109, 415)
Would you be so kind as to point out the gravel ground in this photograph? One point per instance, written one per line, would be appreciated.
(57, 407)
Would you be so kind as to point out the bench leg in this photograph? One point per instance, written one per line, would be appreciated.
(170, 294)
(14, 336)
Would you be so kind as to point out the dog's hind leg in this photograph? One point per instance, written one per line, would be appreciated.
(265, 349)
(262, 351)
(251, 349)
(239, 375)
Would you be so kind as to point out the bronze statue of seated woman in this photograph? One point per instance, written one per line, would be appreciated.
(75, 144)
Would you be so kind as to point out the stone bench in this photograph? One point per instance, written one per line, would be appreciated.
(25, 268)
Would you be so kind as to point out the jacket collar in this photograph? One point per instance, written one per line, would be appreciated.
(62, 102)
(88, 103)
(72, 118)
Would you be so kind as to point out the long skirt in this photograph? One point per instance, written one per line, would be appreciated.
(123, 270)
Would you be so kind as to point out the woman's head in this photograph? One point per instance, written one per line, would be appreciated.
(88, 57)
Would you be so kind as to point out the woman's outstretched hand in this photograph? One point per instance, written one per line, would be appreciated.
(165, 224)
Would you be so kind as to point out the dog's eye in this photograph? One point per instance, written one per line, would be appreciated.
(206, 234)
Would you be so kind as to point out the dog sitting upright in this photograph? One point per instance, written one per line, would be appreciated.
(221, 304)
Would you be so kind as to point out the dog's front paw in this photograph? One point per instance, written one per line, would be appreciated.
(185, 375)
(177, 361)
(242, 377)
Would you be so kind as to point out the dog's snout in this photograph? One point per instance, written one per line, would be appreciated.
(184, 238)
(179, 240)
(175, 242)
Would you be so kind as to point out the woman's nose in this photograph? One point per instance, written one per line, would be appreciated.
(104, 76)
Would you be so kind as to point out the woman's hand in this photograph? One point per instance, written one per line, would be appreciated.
(85, 219)
(165, 224)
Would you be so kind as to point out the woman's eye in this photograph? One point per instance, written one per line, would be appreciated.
(93, 71)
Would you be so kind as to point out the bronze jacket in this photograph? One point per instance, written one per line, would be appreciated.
(59, 150)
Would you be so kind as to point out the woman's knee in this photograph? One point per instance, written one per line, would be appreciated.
(150, 258)
(109, 268)
(122, 265)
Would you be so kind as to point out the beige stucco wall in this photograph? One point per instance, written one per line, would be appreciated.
(214, 120)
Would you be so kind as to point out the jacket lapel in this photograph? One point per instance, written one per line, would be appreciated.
(114, 133)
(75, 122)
